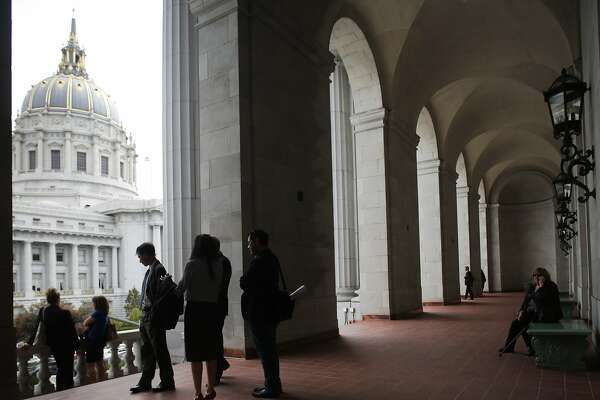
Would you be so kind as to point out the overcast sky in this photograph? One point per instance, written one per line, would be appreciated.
(123, 44)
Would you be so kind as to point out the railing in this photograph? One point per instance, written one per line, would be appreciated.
(127, 343)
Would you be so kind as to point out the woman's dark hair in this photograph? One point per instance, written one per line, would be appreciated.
(52, 296)
(260, 235)
(100, 303)
(205, 248)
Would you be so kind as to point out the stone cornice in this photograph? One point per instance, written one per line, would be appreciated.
(368, 120)
(402, 131)
(427, 167)
(38, 233)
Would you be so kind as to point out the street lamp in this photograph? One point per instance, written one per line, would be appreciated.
(565, 103)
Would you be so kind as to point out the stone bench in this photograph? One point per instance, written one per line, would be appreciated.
(561, 345)
(568, 307)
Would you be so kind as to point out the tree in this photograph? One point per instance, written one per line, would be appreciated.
(132, 304)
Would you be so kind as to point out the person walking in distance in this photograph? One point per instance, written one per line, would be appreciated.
(260, 284)
(468, 283)
(153, 338)
(483, 280)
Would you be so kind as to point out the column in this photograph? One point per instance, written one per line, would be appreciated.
(493, 232)
(430, 231)
(26, 265)
(40, 153)
(449, 234)
(68, 166)
(18, 153)
(75, 268)
(483, 241)
(116, 170)
(462, 224)
(128, 167)
(51, 271)
(95, 268)
(344, 187)
(95, 162)
(134, 161)
(114, 264)
(474, 249)
(156, 240)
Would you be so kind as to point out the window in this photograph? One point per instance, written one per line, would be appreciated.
(32, 160)
(60, 255)
(59, 222)
(36, 254)
(101, 256)
(82, 256)
(81, 161)
(36, 282)
(104, 165)
(122, 170)
(61, 281)
(36, 221)
(83, 282)
(55, 159)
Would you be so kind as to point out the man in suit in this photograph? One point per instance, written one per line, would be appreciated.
(260, 285)
(222, 363)
(61, 337)
(469, 283)
(153, 337)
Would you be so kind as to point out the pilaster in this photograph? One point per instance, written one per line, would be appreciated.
(51, 272)
(494, 262)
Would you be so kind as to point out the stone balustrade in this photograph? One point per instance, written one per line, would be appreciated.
(127, 341)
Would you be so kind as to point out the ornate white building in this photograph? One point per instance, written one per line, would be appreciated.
(76, 215)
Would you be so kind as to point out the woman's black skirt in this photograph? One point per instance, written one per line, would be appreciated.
(202, 331)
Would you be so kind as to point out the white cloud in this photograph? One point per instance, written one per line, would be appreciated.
(123, 43)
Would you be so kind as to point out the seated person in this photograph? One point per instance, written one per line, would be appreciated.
(541, 304)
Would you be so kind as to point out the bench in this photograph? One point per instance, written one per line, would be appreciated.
(568, 307)
(561, 345)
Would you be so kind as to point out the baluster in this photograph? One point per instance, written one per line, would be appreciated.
(130, 357)
(24, 379)
(81, 368)
(44, 384)
(115, 368)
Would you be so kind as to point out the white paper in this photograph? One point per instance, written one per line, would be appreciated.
(298, 292)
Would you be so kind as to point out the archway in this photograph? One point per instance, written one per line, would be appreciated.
(462, 219)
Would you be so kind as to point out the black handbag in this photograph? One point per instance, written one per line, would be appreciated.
(283, 302)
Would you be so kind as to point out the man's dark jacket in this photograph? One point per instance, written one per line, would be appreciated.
(547, 302)
(60, 329)
(223, 298)
(468, 278)
(260, 285)
(157, 270)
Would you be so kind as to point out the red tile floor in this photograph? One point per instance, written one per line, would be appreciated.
(448, 353)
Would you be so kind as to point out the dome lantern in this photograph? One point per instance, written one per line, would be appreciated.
(73, 57)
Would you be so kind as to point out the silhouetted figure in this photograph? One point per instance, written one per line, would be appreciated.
(468, 283)
(96, 331)
(260, 285)
(202, 284)
(541, 304)
(483, 280)
(61, 337)
(153, 337)
(222, 363)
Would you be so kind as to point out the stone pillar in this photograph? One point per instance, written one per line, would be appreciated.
(94, 160)
(40, 153)
(51, 271)
(493, 232)
(474, 247)
(483, 239)
(344, 187)
(462, 225)
(26, 264)
(68, 167)
(448, 223)
(75, 268)
(157, 241)
(430, 232)
(114, 263)
(95, 268)
(116, 168)
(134, 161)
(18, 141)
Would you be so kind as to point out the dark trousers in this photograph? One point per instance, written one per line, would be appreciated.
(516, 327)
(222, 363)
(64, 366)
(469, 292)
(265, 340)
(153, 346)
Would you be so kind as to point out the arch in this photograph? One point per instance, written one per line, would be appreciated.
(430, 229)
(462, 218)
(359, 190)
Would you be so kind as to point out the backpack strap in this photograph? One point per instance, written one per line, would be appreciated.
(282, 278)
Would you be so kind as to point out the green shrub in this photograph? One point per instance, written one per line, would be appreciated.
(132, 301)
(135, 314)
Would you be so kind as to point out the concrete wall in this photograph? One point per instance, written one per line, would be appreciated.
(526, 242)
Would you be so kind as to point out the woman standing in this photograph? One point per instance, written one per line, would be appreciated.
(202, 284)
(96, 331)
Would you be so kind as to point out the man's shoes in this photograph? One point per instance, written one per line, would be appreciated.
(163, 388)
(502, 350)
(266, 393)
(258, 389)
(140, 389)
